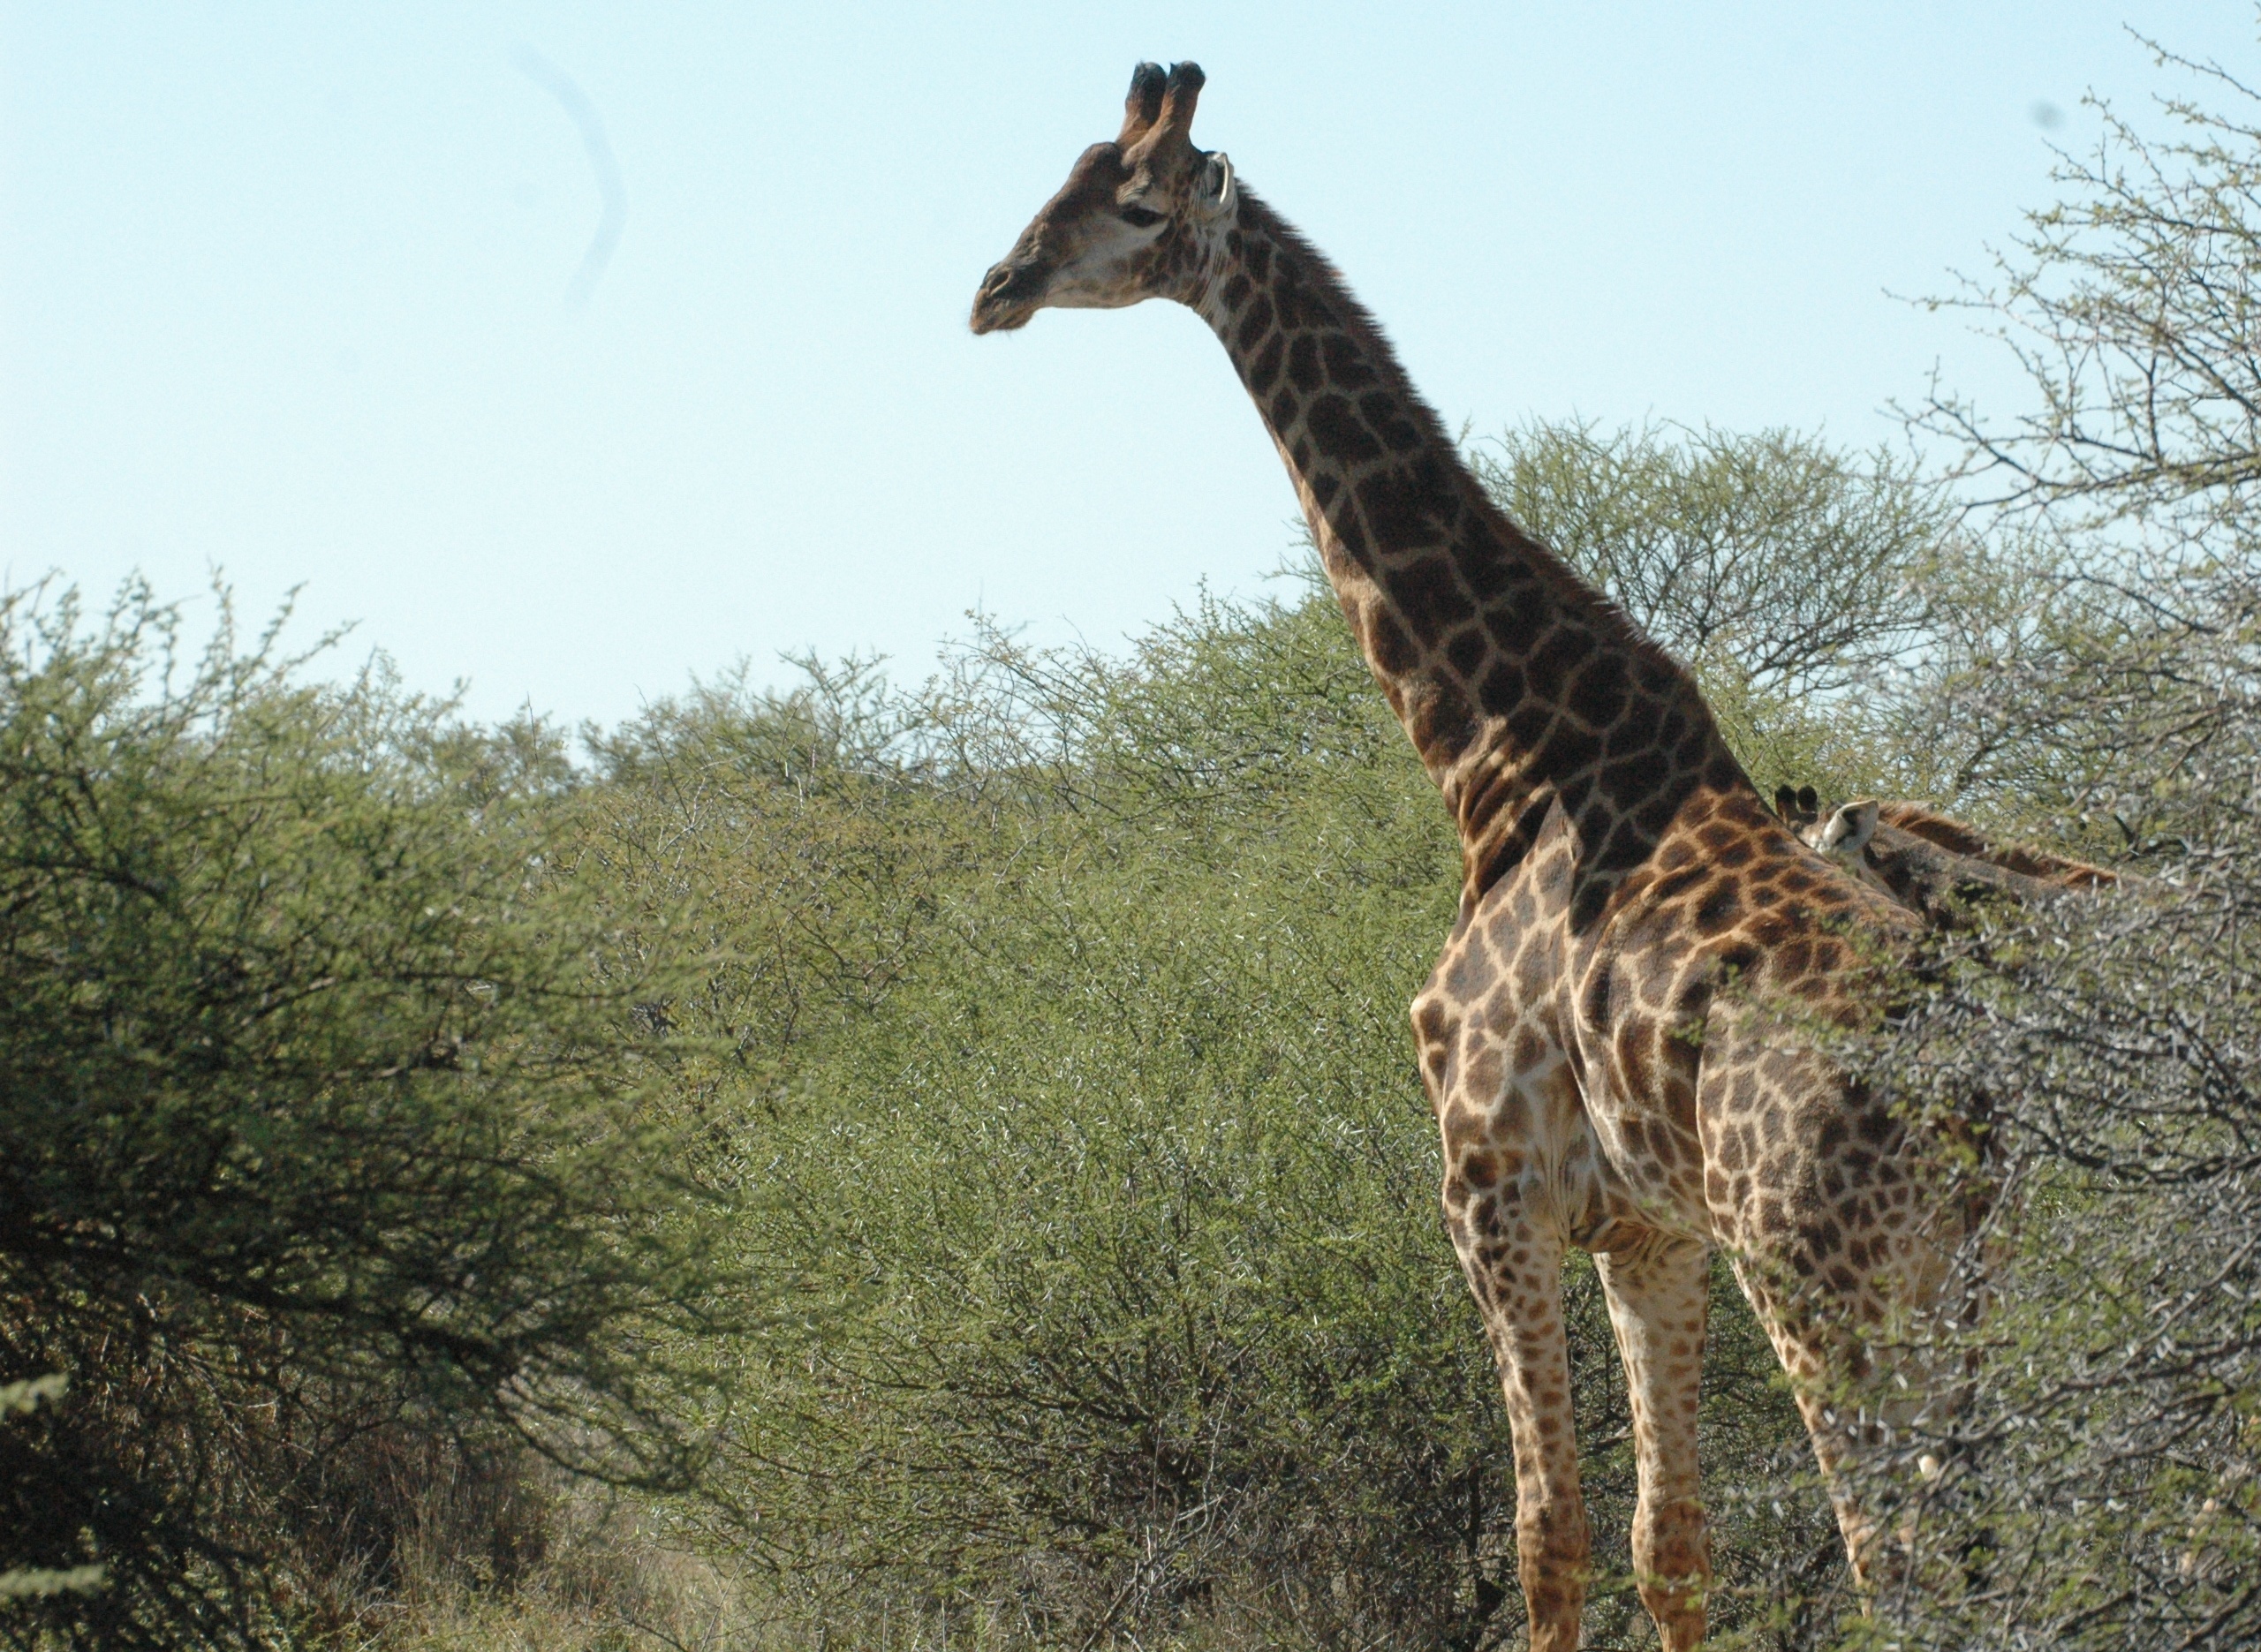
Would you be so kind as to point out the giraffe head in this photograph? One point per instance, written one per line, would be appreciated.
(1135, 220)
(1846, 831)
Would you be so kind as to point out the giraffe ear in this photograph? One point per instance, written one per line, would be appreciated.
(1144, 104)
(1809, 802)
(1786, 801)
(1216, 192)
(1849, 829)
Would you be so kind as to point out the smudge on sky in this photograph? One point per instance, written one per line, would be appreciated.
(584, 115)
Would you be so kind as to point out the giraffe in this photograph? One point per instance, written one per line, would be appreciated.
(1939, 867)
(1802, 809)
(1958, 837)
(1626, 1039)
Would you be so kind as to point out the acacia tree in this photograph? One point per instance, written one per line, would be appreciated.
(1796, 568)
(2131, 304)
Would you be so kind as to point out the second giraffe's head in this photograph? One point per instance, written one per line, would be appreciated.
(1135, 220)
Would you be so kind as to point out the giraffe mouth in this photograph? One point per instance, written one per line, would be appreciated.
(1009, 296)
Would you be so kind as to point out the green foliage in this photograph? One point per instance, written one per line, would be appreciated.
(1065, 1021)
(319, 1116)
(27, 1582)
(2104, 1469)
(1032, 1043)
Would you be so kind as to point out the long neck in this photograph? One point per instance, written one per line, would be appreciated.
(1520, 686)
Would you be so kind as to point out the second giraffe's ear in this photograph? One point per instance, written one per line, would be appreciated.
(1849, 829)
(1216, 193)
(1809, 802)
(1786, 801)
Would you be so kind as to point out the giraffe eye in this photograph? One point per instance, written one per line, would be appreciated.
(1139, 217)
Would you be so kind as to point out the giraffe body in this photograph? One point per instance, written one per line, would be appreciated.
(1620, 1038)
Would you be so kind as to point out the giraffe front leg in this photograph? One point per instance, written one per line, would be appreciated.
(1515, 1267)
(1659, 1297)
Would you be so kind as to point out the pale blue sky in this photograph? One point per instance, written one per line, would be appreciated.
(285, 290)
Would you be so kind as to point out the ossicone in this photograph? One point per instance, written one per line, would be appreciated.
(1180, 93)
(1143, 102)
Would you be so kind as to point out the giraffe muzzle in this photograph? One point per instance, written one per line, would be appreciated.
(1007, 298)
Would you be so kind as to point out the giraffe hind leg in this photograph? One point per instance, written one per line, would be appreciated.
(1818, 1365)
(1658, 1290)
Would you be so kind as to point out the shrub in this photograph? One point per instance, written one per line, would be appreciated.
(319, 1119)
